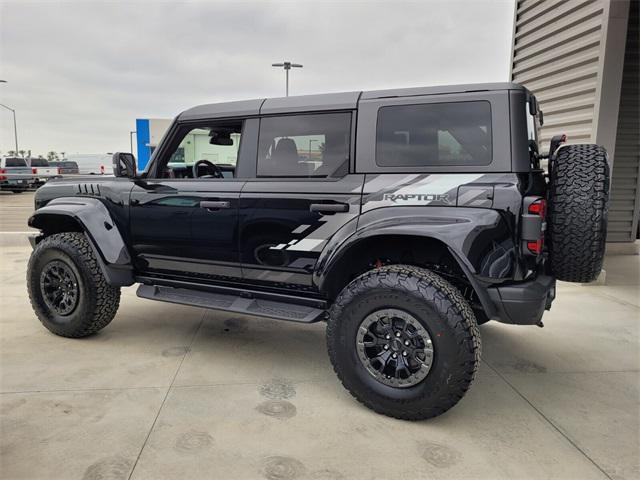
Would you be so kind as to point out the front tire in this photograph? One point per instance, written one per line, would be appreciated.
(427, 314)
(67, 288)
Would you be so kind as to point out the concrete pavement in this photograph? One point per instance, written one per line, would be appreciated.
(169, 391)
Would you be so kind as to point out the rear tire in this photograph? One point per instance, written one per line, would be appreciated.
(577, 220)
(67, 288)
(17, 191)
(437, 309)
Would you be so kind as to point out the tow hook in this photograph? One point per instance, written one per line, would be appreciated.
(540, 324)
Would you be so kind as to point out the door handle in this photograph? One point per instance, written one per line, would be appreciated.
(214, 205)
(329, 207)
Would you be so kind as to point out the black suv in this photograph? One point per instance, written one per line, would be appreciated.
(404, 218)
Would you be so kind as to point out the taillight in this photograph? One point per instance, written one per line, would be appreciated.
(533, 224)
(536, 247)
(59, 171)
(34, 170)
(538, 207)
(2, 177)
(101, 169)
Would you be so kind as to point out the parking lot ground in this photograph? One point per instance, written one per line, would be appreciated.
(169, 391)
(14, 212)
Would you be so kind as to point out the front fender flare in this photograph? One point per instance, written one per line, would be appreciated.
(95, 221)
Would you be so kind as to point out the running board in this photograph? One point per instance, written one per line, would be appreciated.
(232, 303)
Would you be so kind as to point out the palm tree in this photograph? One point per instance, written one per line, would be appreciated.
(22, 152)
(51, 156)
(62, 155)
(11, 153)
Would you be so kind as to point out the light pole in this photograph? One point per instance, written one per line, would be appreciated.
(287, 66)
(310, 141)
(131, 139)
(15, 128)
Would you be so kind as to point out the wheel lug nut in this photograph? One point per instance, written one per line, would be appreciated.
(395, 355)
(386, 347)
(397, 334)
(404, 354)
(406, 342)
(387, 336)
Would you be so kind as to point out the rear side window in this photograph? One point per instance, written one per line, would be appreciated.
(39, 162)
(304, 146)
(432, 134)
(16, 162)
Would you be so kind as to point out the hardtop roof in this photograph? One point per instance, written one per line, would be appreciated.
(327, 101)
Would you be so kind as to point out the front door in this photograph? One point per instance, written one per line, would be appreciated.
(184, 220)
(301, 196)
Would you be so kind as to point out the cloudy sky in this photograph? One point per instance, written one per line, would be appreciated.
(79, 73)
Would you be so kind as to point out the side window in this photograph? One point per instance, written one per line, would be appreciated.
(311, 146)
(434, 134)
(208, 152)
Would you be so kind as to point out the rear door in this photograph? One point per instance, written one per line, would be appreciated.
(302, 194)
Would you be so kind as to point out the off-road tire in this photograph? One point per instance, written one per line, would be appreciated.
(97, 301)
(577, 219)
(439, 307)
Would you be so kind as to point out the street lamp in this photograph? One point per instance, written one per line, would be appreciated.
(287, 66)
(310, 142)
(15, 128)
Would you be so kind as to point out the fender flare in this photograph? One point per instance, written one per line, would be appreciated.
(457, 229)
(96, 222)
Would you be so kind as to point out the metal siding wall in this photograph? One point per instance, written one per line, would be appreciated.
(625, 201)
(556, 55)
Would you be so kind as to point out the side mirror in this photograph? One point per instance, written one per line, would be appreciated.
(124, 165)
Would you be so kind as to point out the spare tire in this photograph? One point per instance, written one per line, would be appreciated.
(577, 218)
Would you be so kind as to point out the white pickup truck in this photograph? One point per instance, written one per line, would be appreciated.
(41, 170)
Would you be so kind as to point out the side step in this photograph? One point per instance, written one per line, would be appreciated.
(232, 303)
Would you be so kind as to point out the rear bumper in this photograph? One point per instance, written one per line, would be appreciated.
(16, 184)
(523, 303)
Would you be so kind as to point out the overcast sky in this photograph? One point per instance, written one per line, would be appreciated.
(80, 73)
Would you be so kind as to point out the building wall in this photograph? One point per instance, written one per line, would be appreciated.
(149, 132)
(556, 52)
(625, 200)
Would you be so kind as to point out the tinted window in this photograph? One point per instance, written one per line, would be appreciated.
(39, 162)
(434, 134)
(213, 148)
(304, 145)
(16, 162)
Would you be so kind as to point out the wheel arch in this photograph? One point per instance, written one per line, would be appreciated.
(462, 237)
(90, 216)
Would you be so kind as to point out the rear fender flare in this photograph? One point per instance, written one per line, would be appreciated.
(462, 230)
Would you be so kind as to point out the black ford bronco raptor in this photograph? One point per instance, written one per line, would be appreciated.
(404, 218)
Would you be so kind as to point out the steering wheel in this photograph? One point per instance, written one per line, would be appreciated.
(212, 170)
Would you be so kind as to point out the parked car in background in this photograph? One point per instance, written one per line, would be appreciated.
(92, 163)
(15, 174)
(65, 167)
(41, 168)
